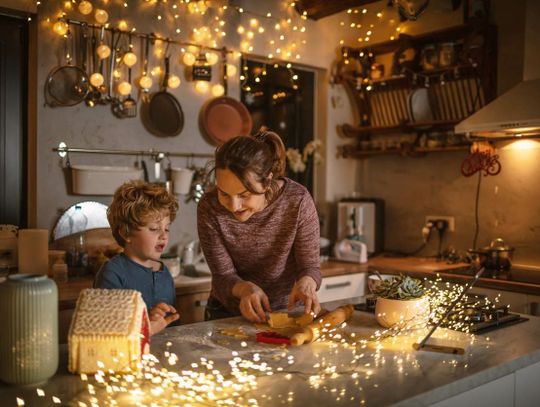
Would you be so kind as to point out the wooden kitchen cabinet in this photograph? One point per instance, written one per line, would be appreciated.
(421, 85)
(191, 306)
(344, 287)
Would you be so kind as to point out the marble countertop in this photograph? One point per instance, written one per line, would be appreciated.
(357, 371)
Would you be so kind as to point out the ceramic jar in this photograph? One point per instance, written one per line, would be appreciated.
(29, 321)
(390, 312)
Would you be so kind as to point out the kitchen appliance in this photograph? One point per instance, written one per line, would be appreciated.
(362, 219)
(516, 112)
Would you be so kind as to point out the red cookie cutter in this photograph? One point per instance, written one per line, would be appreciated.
(272, 337)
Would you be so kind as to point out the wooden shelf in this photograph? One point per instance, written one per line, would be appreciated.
(414, 100)
(348, 151)
(352, 131)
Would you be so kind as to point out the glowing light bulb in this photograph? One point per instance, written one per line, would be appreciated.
(254, 23)
(146, 82)
(96, 80)
(212, 58)
(60, 27)
(218, 90)
(201, 86)
(85, 7)
(103, 51)
(130, 59)
(173, 82)
(123, 25)
(231, 70)
(189, 59)
(124, 88)
(101, 16)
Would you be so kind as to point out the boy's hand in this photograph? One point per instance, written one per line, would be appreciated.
(160, 316)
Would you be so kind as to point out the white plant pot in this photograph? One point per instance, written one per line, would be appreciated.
(390, 312)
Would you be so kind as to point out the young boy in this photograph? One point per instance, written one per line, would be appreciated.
(140, 215)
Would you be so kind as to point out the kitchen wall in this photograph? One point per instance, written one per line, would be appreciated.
(412, 187)
(433, 185)
(84, 127)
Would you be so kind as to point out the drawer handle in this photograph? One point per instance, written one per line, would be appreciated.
(337, 285)
(201, 303)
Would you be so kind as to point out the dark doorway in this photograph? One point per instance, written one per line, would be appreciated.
(13, 119)
(281, 98)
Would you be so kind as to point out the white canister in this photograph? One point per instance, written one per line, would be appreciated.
(33, 251)
(181, 178)
(29, 321)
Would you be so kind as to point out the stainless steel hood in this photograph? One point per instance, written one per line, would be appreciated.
(516, 112)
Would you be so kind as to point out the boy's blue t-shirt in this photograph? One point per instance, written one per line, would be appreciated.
(122, 272)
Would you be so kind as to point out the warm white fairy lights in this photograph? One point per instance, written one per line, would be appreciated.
(345, 363)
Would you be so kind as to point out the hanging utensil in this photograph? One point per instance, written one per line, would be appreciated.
(223, 117)
(94, 95)
(66, 85)
(129, 105)
(163, 115)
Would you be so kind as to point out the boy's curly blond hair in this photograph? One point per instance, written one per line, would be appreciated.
(134, 203)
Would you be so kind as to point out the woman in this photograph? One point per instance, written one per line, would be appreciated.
(259, 232)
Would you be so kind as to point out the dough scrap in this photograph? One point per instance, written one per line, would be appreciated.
(236, 332)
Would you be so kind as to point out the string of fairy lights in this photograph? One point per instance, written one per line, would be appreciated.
(194, 25)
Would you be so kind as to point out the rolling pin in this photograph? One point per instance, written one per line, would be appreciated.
(327, 321)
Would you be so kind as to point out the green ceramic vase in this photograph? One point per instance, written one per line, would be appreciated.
(29, 323)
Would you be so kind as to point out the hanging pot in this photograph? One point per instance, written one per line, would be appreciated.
(224, 118)
(162, 115)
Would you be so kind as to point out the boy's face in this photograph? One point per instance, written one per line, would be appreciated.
(149, 241)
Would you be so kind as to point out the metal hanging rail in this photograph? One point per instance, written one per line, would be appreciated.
(63, 151)
(151, 36)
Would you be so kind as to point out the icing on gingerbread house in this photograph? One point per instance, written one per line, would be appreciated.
(110, 330)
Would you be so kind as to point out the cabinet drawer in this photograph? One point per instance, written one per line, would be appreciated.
(342, 287)
(191, 307)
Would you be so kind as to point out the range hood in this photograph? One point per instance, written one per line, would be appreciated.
(516, 112)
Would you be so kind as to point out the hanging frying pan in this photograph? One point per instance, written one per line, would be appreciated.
(66, 85)
(162, 115)
(223, 118)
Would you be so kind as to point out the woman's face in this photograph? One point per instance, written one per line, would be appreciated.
(236, 198)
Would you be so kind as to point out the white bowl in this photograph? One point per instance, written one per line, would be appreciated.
(407, 312)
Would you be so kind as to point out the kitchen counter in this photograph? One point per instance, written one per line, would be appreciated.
(383, 373)
(69, 292)
(520, 280)
(420, 267)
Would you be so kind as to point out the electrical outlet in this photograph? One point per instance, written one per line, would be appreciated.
(449, 219)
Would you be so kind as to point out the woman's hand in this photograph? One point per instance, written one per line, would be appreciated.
(253, 301)
(161, 315)
(305, 290)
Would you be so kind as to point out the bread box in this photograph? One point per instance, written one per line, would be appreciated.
(101, 180)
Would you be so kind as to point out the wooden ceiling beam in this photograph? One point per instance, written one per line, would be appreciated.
(316, 9)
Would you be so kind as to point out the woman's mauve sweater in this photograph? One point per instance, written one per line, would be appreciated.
(272, 249)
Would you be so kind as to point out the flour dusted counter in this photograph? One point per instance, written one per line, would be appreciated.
(205, 367)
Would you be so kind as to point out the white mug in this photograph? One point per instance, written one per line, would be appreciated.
(181, 178)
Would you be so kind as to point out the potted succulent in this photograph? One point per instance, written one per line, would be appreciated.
(401, 300)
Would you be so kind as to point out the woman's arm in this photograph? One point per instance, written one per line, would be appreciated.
(224, 276)
(306, 248)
